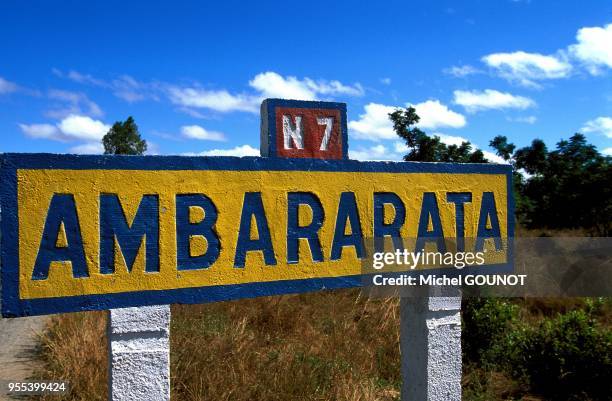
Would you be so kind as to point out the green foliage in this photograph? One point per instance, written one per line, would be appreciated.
(430, 149)
(565, 357)
(568, 187)
(124, 139)
(503, 148)
(486, 321)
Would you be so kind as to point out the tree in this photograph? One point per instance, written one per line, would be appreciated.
(503, 148)
(424, 148)
(568, 187)
(124, 139)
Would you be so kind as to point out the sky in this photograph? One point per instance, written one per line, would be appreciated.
(193, 74)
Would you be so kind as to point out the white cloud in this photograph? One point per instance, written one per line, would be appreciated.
(374, 123)
(273, 85)
(84, 78)
(594, 48)
(434, 115)
(218, 100)
(243, 150)
(79, 77)
(377, 152)
(458, 140)
(333, 88)
(461, 71)
(526, 119)
(125, 87)
(380, 152)
(129, 96)
(131, 90)
(474, 101)
(601, 125)
(71, 128)
(40, 131)
(152, 149)
(73, 103)
(165, 135)
(267, 85)
(450, 139)
(197, 132)
(400, 147)
(607, 151)
(527, 68)
(383, 153)
(90, 148)
(385, 81)
(82, 127)
(492, 157)
(191, 112)
(7, 86)
(264, 85)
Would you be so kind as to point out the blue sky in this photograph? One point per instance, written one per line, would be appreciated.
(193, 73)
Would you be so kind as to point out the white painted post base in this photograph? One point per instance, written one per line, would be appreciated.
(430, 343)
(139, 346)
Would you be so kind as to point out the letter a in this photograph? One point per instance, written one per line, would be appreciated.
(62, 212)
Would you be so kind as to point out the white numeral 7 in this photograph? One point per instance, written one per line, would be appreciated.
(328, 122)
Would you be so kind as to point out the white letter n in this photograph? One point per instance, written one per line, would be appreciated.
(295, 131)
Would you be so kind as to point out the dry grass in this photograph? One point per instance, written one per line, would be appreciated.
(480, 384)
(520, 231)
(324, 346)
(73, 348)
(320, 346)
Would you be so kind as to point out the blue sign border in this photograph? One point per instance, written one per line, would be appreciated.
(12, 306)
(268, 122)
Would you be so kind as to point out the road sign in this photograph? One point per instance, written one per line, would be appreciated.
(101, 232)
(302, 129)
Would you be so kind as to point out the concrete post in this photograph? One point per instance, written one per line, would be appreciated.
(430, 343)
(139, 344)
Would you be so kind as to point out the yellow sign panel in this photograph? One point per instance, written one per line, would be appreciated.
(227, 225)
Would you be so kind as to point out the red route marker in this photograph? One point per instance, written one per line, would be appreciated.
(303, 129)
(320, 129)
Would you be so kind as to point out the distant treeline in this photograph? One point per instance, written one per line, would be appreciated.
(569, 187)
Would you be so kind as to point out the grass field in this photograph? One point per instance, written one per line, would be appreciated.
(332, 345)
(321, 346)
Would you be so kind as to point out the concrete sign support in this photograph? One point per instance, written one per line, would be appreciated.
(430, 343)
(139, 353)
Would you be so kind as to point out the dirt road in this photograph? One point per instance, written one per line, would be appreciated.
(17, 344)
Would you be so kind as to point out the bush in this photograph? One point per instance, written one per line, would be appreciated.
(486, 322)
(564, 358)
